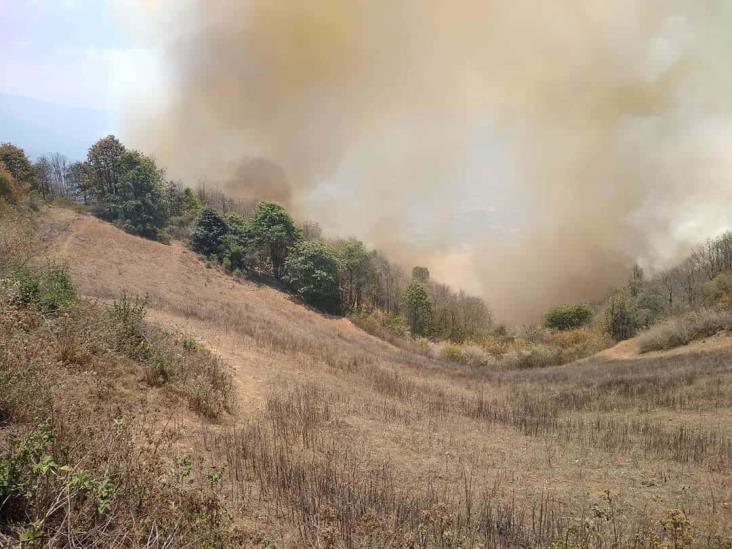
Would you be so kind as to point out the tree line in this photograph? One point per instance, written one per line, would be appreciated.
(255, 239)
(703, 279)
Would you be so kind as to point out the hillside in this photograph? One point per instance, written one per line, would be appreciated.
(339, 439)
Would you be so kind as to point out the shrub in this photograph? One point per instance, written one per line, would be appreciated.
(470, 355)
(682, 330)
(128, 314)
(50, 289)
(9, 188)
(536, 356)
(567, 317)
(190, 344)
(17, 163)
(451, 351)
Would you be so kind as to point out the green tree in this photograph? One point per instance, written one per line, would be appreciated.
(418, 308)
(209, 232)
(567, 317)
(138, 204)
(236, 250)
(17, 163)
(421, 274)
(190, 202)
(354, 261)
(311, 270)
(273, 232)
(78, 181)
(105, 165)
(43, 176)
(620, 316)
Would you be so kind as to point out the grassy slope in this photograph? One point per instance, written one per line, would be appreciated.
(339, 437)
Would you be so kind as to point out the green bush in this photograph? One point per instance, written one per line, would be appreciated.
(567, 317)
(51, 289)
(128, 314)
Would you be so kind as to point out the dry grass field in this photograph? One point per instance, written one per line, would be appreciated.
(338, 439)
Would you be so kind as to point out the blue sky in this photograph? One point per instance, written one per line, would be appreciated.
(65, 68)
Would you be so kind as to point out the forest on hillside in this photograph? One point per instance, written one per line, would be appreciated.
(342, 276)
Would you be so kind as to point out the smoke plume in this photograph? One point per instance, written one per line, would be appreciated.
(528, 150)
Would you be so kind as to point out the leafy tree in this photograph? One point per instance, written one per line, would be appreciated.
(208, 232)
(138, 203)
(273, 232)
(311, 270)
(236, 250)
(17, 163)
(418, 306)
(620, 316)
(105, 164)
(354, 262)
(43, 176)
(190, 202)
(567, 317)
(421, 274)
(649, 308)
(78, 181)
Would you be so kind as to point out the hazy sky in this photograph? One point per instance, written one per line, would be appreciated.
(65, 71)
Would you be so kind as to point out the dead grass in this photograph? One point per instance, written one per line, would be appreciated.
(86, 452)
(343, 440)
(684, 329)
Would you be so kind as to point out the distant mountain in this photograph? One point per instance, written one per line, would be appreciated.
(41, 127)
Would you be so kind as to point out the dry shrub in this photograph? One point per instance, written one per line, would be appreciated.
(684, 329)
(18, 245)
(10, 190)
(451, 351)
(468, 354)
(73, 469)
(387, 327)
(84, 460)
(537, 348)
(176, 362)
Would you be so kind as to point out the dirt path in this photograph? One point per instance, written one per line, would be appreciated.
(258, 331)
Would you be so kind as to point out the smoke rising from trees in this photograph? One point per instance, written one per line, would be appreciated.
(530, 151)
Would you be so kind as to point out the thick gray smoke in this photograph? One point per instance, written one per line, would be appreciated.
(529, 151)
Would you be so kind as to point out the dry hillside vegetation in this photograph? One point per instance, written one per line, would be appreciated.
(91, 399)
(338, 439)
